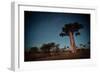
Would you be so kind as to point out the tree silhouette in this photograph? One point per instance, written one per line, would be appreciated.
(34, 50)
(68, 30)
(67, 46)
(81, 45)
(57, 48)
(84, 46)
(47, 47)
(78, 33)
(88, 43)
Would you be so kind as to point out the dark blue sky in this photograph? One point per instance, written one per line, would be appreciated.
(45, 27)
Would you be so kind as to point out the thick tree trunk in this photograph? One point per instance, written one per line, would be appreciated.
(72, 42)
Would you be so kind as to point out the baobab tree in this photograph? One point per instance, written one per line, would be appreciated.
(69, 30)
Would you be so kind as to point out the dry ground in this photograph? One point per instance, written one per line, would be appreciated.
(80, 54)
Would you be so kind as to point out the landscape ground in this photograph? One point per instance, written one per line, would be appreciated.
(40, 56)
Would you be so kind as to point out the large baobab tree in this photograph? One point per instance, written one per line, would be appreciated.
(69, 30)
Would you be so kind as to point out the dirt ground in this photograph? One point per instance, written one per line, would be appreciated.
(80, 54)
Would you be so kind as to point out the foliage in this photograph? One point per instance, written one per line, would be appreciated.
(47, 47)
(73, 27)
(34, 50)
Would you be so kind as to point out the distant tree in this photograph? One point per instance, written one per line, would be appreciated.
(67, 46)
(84, 46)
(47, 47)
(81, 45)
(78, 33)
(57, 48)
(34, 50)
(68, 30)
(88, 44)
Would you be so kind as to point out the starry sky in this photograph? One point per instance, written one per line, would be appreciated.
(45, 27)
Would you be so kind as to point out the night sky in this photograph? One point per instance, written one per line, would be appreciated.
(45, 27)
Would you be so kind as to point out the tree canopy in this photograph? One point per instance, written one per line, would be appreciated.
(71, 27)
